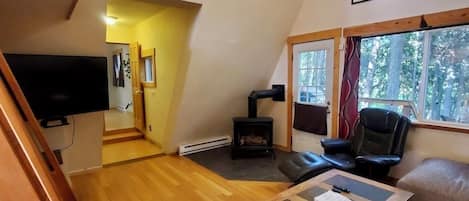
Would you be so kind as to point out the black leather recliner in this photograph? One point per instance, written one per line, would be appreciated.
(378, 144)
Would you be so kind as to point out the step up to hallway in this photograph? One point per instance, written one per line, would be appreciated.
(117, 153)
(122, 137)
(119, 131)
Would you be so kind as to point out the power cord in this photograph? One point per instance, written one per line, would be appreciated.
(73, 135)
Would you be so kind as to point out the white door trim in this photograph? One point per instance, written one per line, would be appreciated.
(302, 141)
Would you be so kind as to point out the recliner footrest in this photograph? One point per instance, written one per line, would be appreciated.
(303, 166)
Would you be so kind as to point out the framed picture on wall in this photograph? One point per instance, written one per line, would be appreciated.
(359, 1)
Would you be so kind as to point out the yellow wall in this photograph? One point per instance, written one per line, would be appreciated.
(168, 33)
(117, 33)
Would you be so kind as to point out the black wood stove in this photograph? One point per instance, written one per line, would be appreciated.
(252, 134)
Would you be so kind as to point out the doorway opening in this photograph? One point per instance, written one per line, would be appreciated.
(121, 113)
(312, 85)
(157, 35)
(124, 136)
(313, 74)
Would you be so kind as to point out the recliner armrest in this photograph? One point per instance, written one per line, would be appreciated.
(379, 160)
(333, 146)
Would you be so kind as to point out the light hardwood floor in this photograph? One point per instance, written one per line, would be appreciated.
(129, 150)
(170, 178)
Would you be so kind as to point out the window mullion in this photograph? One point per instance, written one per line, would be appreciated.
(424, 76)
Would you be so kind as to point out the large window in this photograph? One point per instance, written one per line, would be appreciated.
(423, 74)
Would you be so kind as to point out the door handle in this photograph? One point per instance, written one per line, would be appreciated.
(328, 104)
(139, 92)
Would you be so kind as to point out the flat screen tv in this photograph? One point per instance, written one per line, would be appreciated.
(58, 86)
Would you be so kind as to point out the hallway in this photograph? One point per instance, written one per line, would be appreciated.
(122, 142)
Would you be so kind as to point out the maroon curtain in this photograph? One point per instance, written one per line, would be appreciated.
(349, 92)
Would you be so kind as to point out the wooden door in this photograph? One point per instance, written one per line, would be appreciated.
(137, 89)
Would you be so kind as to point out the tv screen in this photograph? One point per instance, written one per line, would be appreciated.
(61, 85)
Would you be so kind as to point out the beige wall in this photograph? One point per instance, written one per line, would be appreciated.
(85, 131)
(424, 143)
(317, 15)
(29, 28)
(234, 48)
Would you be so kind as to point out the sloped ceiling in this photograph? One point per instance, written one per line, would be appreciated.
(234, 49)
(26, 10)
(30, 26)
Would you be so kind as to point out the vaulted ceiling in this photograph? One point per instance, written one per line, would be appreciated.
(44, 9)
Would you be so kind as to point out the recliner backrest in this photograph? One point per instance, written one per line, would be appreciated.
(378, 133)
(401, 136)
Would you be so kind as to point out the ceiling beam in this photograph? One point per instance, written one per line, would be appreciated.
(72, 8)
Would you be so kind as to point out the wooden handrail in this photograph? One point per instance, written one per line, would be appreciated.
(13, 140)
(60, 184)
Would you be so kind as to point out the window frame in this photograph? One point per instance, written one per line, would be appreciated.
(323, 46)
(419, 110)
(400, 25)
(151, 55)
(424, 81)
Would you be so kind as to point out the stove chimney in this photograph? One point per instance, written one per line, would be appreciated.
(277, 93)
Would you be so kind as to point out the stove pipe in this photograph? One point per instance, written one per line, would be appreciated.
(277, 93)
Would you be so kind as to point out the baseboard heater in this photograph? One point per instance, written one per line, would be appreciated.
(204, 145)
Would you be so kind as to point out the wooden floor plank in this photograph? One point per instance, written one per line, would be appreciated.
(168, 178)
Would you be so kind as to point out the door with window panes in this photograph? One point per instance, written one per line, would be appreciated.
(312, 80)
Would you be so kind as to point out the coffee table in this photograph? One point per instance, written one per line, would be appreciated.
(361, 189)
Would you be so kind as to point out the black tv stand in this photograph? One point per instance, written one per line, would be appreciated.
(56, 121)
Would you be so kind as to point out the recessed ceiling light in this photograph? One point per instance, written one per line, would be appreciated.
(110, 20)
